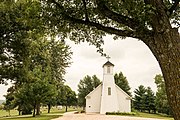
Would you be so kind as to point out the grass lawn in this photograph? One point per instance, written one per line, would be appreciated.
(55, 113)
(147, 115)
(144, 115)
(29, 117)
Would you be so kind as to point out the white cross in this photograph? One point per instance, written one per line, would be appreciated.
(108, 57)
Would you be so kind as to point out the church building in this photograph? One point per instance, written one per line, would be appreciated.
(108, 97)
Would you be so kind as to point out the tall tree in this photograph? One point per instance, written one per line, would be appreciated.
(66, 96)
(85, 86)
(122, 82)
(36, 92)
(40, 65)
(140, 98)
(9, 104)
(147, 20)
(150, 100)
(60, 59)
(18, 22)
(162, 105)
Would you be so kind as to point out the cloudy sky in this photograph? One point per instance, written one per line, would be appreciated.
(130, 56)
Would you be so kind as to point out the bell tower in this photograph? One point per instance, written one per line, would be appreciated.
(109, 100)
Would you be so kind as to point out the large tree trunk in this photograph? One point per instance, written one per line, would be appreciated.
(166, 48)
(165, 45)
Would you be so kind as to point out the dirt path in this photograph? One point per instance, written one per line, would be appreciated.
(72, 116)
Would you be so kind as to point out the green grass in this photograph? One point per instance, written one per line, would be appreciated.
(4, 113)
(142, 114)
(147, 115)
(55, 113)
(29, 117)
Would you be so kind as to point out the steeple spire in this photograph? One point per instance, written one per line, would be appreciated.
(108, 57)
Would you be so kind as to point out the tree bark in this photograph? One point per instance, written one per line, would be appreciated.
(9, 111)
(165, 45)
(49, 108)
(66, 108)
(38, 109)
(166, 48)
(34, 110)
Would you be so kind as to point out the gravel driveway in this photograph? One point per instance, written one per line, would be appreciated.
(72, 116)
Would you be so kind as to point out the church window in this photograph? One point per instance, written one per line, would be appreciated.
(109, 90)
(108, 69)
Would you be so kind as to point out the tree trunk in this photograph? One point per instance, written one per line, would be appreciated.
(38, 109)
(9, 112)
(66, 108)
(49, 107)
(34, 110)
(166, 48)
(19, 112)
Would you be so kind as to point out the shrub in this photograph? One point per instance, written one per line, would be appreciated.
(82, 111)
(121, 113)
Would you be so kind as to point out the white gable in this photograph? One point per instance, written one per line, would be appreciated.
(96, 89)
(124, 93)
(93, 100)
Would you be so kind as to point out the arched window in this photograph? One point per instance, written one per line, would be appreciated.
(109, 90)
(108, 69)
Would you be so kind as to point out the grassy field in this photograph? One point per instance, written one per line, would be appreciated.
(142, 114)
(55, 113)
(147, 115)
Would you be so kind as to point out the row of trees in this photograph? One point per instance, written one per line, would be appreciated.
(32, 58)
(146, 100)
(42, 79)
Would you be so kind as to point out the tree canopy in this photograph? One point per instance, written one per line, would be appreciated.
(122, 82)
(162, 105)
(85, 86)
(144, 99)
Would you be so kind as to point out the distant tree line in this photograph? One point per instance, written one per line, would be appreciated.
(40, 80)
(33, 59)
(145, 99)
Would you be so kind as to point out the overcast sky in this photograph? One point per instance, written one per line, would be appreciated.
(130, 56)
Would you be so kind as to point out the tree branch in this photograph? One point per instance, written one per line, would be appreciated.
(174, 7)
(110, 30)
(86, 14)
(104, 10)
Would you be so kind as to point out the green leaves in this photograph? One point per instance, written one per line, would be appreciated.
(162, 105)
(122, 82)
(85, 86)
(144, 99)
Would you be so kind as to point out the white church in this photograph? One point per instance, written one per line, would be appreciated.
(108, 97)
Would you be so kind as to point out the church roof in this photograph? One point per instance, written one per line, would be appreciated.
(108, 63)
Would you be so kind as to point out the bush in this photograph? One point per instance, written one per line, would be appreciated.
(121, 113)
(1, 107)
(82, 111)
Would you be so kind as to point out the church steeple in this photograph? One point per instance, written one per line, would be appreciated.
(109, 92)
(108, 67)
